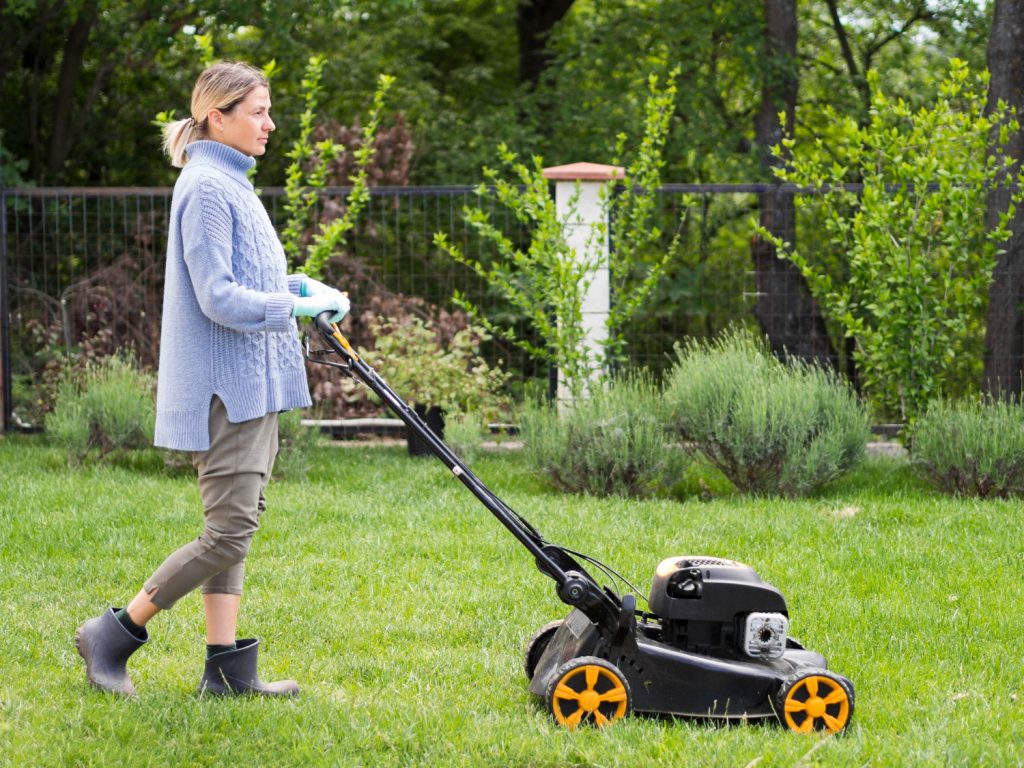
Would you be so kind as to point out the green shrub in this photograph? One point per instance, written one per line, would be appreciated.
(108, 408)
(409, 354)
(917, 251)
(971, 447)
(771, 428)
(546, 282)
(611, 444)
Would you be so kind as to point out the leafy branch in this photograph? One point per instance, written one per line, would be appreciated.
(632, 209)
(302, 187)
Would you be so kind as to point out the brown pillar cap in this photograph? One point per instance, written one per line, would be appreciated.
(584, 172)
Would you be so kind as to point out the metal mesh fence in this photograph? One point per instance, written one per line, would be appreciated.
(84, 272)
(81, 274)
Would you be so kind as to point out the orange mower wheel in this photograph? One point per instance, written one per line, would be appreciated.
(814, 700)
(590, 690)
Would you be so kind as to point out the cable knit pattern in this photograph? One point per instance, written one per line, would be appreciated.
(227, 326)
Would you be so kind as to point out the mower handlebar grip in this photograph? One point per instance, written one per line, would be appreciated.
(323, 323)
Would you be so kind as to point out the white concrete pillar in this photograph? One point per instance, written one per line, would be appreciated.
(586, 234)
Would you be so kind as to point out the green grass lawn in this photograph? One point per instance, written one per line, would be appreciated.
(402, 608)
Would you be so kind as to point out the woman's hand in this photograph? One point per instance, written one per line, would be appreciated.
(311, 287)
(329, 301)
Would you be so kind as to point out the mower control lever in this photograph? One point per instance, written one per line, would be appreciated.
(625, 634)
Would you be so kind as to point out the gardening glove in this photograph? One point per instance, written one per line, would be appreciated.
(311, 287)
(329, 301)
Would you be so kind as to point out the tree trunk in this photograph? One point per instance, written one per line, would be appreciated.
(1004, 330)
(534, 21)
(783, 306)
(62, 138)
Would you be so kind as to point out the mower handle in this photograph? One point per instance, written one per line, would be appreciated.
(576, 587)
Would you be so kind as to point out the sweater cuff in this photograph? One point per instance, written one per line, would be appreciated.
(295, 284)
(279, 312)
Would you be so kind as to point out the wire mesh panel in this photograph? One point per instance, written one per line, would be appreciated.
(84, 273)
(85, 269)
(708, 285)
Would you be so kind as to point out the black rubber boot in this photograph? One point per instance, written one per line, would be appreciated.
(106, 645)
(234, 672)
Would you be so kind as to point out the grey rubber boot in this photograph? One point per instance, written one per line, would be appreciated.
(234, 672)
(106, 645)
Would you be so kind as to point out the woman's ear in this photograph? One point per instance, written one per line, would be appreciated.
(215, 119)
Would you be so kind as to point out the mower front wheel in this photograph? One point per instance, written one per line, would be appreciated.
(814, 699)
(588, 689)
(538, 644)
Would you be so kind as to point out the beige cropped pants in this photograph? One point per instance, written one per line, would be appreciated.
(232, 476)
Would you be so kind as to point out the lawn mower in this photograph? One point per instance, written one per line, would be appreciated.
(714, 641)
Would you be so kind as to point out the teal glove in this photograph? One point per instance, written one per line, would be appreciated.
(311, 287)
(329, 301)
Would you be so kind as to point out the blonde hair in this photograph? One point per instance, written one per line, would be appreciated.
(220, 86)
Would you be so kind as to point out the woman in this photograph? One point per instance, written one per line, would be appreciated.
(229, 362)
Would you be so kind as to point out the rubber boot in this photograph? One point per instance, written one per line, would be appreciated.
(234, 672)
(106, 645)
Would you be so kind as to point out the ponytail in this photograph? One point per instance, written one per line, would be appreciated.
(177, 136)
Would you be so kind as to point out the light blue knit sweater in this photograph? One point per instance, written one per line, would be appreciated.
(227, 328)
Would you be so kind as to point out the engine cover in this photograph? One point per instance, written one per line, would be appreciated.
(718, 607)
(711, 589)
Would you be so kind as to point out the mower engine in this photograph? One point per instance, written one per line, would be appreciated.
(718, 608)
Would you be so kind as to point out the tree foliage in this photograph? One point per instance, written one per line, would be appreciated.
(905, 40)
(82, 79)
(917, 255)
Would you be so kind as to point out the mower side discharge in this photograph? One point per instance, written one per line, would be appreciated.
(714, 641)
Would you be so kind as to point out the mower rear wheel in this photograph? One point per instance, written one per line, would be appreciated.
(588, 690)
(538, 644)
(814, 699)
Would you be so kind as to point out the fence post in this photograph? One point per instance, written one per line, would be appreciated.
(586, 230)
(5, 323)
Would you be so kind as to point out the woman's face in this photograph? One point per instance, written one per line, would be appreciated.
(247, 127)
